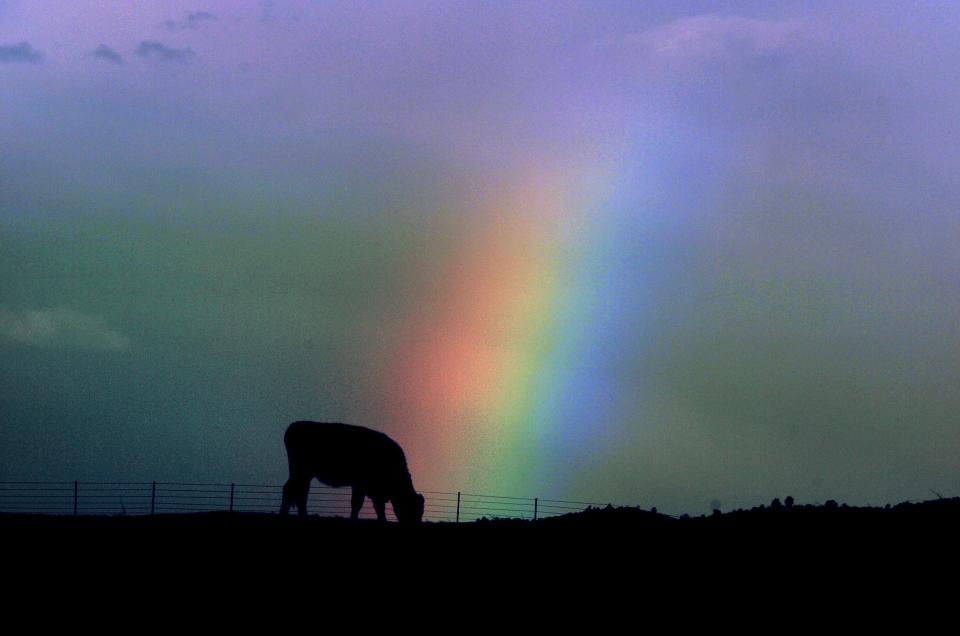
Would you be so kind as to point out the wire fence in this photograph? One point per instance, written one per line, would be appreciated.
(148, 498)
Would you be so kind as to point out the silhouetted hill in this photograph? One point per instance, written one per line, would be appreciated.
(919, 516)
(611, 526)
(796, 546)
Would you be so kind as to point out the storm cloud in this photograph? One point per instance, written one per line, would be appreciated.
(60, 328)
(714, 38)
(158, 51)
(104, 52)
(21, 52)
(191, 21)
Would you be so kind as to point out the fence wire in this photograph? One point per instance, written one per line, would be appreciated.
(146, 498)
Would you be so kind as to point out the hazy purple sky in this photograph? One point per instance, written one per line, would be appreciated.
(742, 218)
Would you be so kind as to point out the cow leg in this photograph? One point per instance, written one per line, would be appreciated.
(295, 494)
(285, 501)
(289, 497)
(302, 493)
(356, 503)
(380, 505)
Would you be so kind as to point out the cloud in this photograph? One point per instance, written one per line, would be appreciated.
(62, 328)
(708, 39)
(192, 21)
(20, 52)
(104, 52)
(160, 51)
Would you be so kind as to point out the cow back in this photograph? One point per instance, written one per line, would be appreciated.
(347, 455)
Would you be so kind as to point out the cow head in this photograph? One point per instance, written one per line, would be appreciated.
(409, 508)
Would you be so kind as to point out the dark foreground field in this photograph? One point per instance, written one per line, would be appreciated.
(595, 568)
(590, 542)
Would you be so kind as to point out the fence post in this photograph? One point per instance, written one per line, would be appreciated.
(231, 497)
(75, 489)
(536, 500)
(458, 507)
(153, 498)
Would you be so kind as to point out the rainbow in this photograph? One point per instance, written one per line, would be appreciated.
(499, 381)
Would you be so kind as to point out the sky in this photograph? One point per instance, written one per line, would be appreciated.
(671, 254)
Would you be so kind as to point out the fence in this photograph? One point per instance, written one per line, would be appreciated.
(147, 498)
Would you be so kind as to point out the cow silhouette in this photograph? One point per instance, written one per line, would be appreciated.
(346, 455)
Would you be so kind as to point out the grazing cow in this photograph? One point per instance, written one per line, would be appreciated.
(344, 455)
